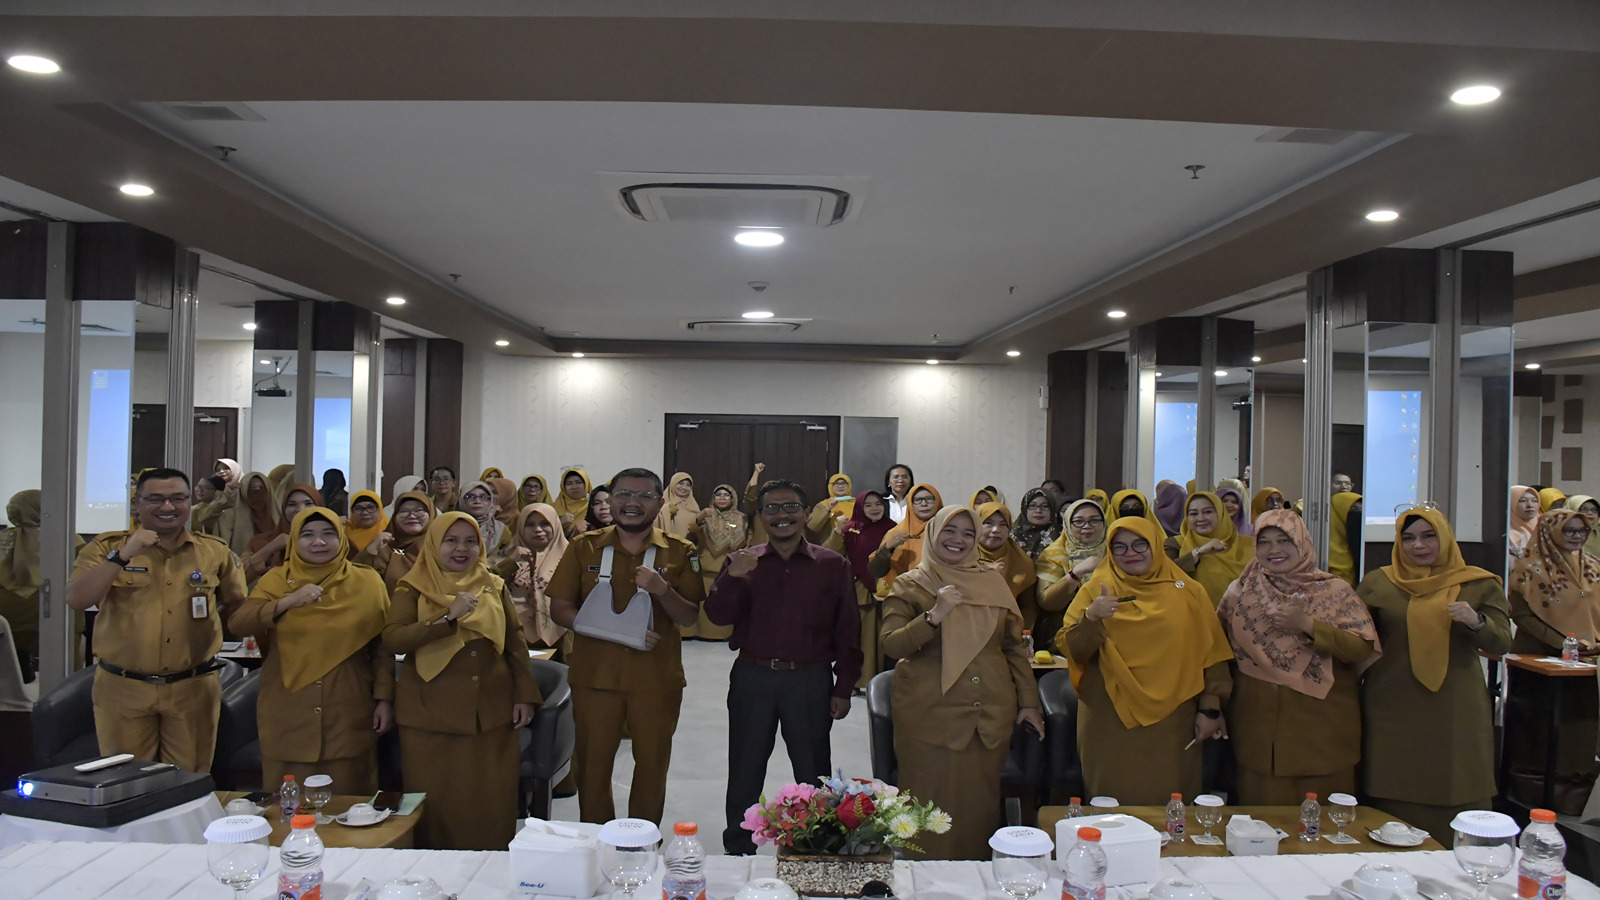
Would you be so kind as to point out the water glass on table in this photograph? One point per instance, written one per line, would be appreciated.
(1208, 812)
(318, 791)
(1341, 812)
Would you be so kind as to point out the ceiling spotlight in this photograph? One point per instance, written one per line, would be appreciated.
(1531, 366)
(1302, 359)
(1158, 374)
(1255, 359)
(577, 356)
(933, 362)
(1116, 314)
(1476, 94)
(266, 362)
(1013, 353)
(1221, 373)
(502, 343)
(757, 314)
(758, 238)
(1382, 215)
(249, 326)
(133, 189)
(36, 65)
(396, 301)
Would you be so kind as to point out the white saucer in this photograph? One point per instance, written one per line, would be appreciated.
(382, 814)
(1417, 837)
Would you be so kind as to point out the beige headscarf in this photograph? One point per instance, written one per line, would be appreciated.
(968, 627)
(678, 516)
(436, 590)
(535, 607)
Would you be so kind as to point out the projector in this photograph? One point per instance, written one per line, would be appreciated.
(97, 787)
(272, 392)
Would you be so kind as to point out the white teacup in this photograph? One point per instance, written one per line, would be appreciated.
(410, 887)
(1379, 881)
(1398, 832)
(361, 814)
(766, 889)
(1179, 889)
(1103, 802)
(239, 806)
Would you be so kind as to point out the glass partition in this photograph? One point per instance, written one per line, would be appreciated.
(22, 401)
(1233, 411)
(1176, 433)
(105, 421)
(1398, 414)
(272, 410)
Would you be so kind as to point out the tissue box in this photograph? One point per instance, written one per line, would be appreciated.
(1252, 837)
(556, 859)
(1132, 846)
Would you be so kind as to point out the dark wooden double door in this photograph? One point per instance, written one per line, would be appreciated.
(724, 450)
(216, 436)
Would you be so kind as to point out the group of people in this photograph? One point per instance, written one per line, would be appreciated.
(1183, 622)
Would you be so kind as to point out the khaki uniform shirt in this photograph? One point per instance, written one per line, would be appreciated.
(612, 667)
(145, 623)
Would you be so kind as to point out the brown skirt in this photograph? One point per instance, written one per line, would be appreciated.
(471, 781)
(1139, 766)
(964, 783)
(1264, 789)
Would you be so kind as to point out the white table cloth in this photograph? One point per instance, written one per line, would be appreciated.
(182, 824)
(68, 871)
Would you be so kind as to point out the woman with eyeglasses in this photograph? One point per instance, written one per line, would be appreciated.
(1066, 565)
(1149, 662)
(538, 544)
(1265, 499)
(719, 529)
(1589, 508)
(442, 488)
(366, 520)
(1037, 526)
(533, 490)
(478, 501)
(268, 551)
(1207, 546)
(902, 546)
(572, 501)
(1434, 615)
(392, 552)
(1555, 591)
(962, 685)
(837, 507)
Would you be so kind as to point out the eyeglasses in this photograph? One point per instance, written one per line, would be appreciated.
(773, 509)
(641, 496)
(159, 501)
(1580, 531)
(411, 514)
(1139, 546)
(479, 496)
(1041, 506)
(440, 479)
(922, 501)
(1086, 523)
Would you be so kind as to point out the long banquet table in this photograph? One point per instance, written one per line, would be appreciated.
(68, 871)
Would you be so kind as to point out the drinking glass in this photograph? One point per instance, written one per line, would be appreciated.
(238, 866)
(1485, 858)
(629, 868)
(1021, 876)
(1208, 812)
(1341, 812)
(319, 790)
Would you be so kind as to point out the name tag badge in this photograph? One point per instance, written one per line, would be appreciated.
(199, 606)
(594, 568)
(140, 569)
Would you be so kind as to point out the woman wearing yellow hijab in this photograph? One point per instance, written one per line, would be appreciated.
(997, 551)
(1149, 661)
(1132, 503)
(830, 513)
(1265, 499)
(1589, 508)
(964, 682)
(572, 501)
(902, 546)
(491, 472)
(1208, 546)
(464, 687)
(986, 494)
(1551, 498)
(532, 490)
(1427, 725)
(367, 520)
(678, 508)
(1344, 537)
(327, 685)
(1100, 498)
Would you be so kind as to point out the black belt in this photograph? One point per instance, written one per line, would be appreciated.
(779, 665)
(205, 668)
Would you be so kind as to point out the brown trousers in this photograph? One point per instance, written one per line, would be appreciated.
(650, 718)
(171, 723)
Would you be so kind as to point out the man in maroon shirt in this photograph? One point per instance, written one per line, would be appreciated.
(793, 610)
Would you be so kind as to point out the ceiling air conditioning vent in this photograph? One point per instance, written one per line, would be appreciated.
(746, 205)
(1325, 136)
(743, 327)
(212, 111)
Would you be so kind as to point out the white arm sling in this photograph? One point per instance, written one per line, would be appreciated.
(598, 619)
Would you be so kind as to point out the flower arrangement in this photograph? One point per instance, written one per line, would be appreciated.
(843, 817)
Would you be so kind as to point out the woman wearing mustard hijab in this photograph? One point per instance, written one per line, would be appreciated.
(532, 490)
(1551, 498)
(963, 683)
(678, 507)
(1150, 664)
(1427, 726)
(367, 520)
(1132, 503)
(327, 685)
(1524, 522)
(830, 513)
(997, 551)
(1265, 499)
(902, 546)
(1100, 498)
(719, 530)
(1208, 546)
(491, 472)
(1555, 591)
(1589, 507)
(464, 688)
(572, 501)
(1344, 537)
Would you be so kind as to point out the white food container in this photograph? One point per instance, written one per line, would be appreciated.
(556, 859)
(1252, 837)
(1132, 846)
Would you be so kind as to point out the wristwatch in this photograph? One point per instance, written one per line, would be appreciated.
(115, 556)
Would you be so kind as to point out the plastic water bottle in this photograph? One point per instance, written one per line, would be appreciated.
(1542, 873)
(289, 797)
(1569, 649)
(1177, 817)
(300, 861)
(1310, 819)
(1075, 808)
(685, 878)
(1027, 641)
(1083, 870)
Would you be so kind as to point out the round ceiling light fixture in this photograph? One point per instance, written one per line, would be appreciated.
(134, 189)
(1013, 353)
(1530, 366)
(35, 65)
(249, 326)
(933, 362)
(1476, 94)
(757, 314)
(1255, 359)
(577, 356)
(758, 238)
(1221, 373)
(1382, 215)
(502, 343)
(1116, 314)
(396, 301)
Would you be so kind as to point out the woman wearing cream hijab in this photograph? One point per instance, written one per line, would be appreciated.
(1150, 664)
(464, 687)
(1524, 515)
(1434, 615)
(327, 686)
(719, 530)
(964, 681)
(537, 545)
(678, 507)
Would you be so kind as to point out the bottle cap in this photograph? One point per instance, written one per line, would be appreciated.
(686, 828)
(1311, 796)
(1075, 799)
(1542, 815)
(1088, 834)
(288, 778)
(303, 821)
(1177, 796)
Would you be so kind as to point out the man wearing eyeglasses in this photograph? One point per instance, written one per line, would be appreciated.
(795, 624)
(159, 589)
(615, 686)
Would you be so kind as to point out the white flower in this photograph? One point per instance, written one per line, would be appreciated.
(938, 821)
(903, 827)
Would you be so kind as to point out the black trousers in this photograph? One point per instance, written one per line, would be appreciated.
(760, 701)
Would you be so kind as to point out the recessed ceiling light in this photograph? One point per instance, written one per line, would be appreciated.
(1531, 366)
(758, 314)
(1158, 374)
(1382, 215)
(758, 238)
(1013, 353)
(1302, 359)
(396, 301)
(266, 362)
(1255, 359)
(1476, 94)
(133, 189)
(249, 326)
(1221, 373)
(577, 356)
(502, 343)
(933, 362)
(1116, 314)
(38, 65)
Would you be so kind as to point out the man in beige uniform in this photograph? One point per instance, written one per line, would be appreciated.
(614, 685)
(157, 695)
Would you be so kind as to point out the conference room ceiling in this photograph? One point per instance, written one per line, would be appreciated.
(1021, 177)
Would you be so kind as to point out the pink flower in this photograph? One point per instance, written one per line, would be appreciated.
(755, 823)
(791, 792)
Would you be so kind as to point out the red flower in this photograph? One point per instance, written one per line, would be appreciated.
(855, 810)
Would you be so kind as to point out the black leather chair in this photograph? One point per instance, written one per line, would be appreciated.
(236, 766)
(1019, 782)
(547, 741)
(63, 722)
(1063, 768)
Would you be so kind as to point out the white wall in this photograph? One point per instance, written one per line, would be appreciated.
(272, 424)
(22, 411)
(960, 426)
(222, 374)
